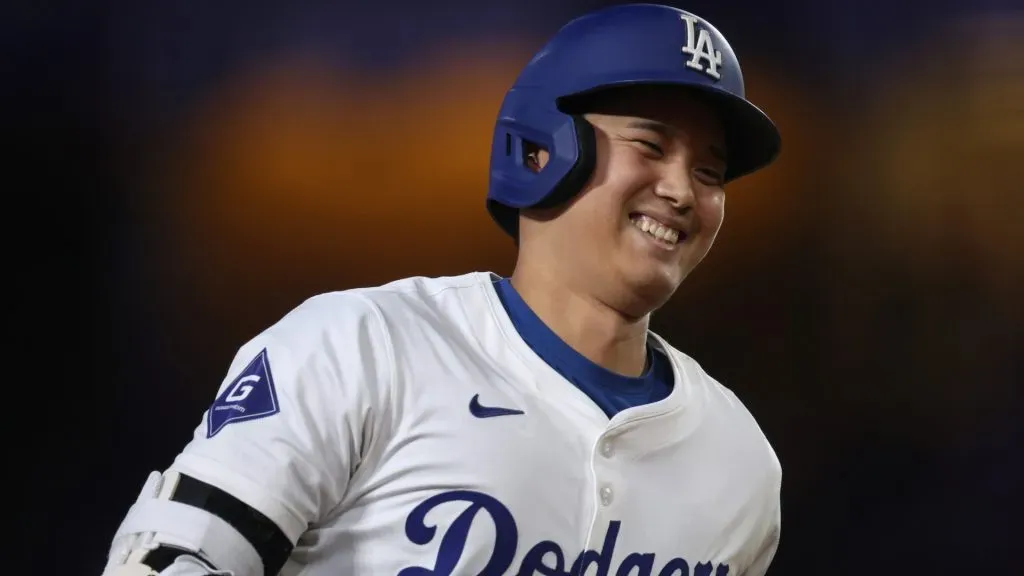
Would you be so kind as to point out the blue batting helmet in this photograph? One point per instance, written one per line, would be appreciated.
(620, 46)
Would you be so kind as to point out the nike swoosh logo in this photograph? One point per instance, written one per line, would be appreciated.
(476, 409)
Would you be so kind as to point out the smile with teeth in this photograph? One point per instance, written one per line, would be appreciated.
(656, 229)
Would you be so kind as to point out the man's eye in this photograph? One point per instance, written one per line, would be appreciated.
(711, 176)
(651, 145)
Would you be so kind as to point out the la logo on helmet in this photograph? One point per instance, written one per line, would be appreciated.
(700, 48)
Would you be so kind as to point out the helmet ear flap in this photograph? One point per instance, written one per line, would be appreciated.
(577, 177)
(574, 176)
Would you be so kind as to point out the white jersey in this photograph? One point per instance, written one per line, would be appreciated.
(408, 429)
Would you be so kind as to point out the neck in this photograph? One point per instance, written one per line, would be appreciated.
(597, 331)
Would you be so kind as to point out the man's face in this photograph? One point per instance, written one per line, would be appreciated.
(651, 210)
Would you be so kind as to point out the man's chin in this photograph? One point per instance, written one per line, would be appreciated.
(653, 287)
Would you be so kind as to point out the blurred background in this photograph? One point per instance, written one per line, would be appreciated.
(190, 171)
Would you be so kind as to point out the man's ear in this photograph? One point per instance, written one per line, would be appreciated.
(535, 156)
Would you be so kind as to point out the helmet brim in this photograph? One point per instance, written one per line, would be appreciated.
(752, 139)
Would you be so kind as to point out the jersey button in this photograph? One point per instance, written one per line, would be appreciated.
(607, 449)
(606, 495)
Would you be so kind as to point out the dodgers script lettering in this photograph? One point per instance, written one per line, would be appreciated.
(545, 557)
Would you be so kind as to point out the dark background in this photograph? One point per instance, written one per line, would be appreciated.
(181, 174)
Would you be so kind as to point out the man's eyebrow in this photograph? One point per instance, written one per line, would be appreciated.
(654, 126)
(719, 153)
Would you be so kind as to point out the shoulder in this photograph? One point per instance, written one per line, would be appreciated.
(368, 308)
(725, 413)
(364, 322)
(419, 294)
(419, 307)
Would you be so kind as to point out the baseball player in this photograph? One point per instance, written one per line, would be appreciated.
(523, 425)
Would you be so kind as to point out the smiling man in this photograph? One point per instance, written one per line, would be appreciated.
(532, 424)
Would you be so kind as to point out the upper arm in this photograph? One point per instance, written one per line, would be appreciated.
(769, 546)
(275, 450)
(288, 424)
